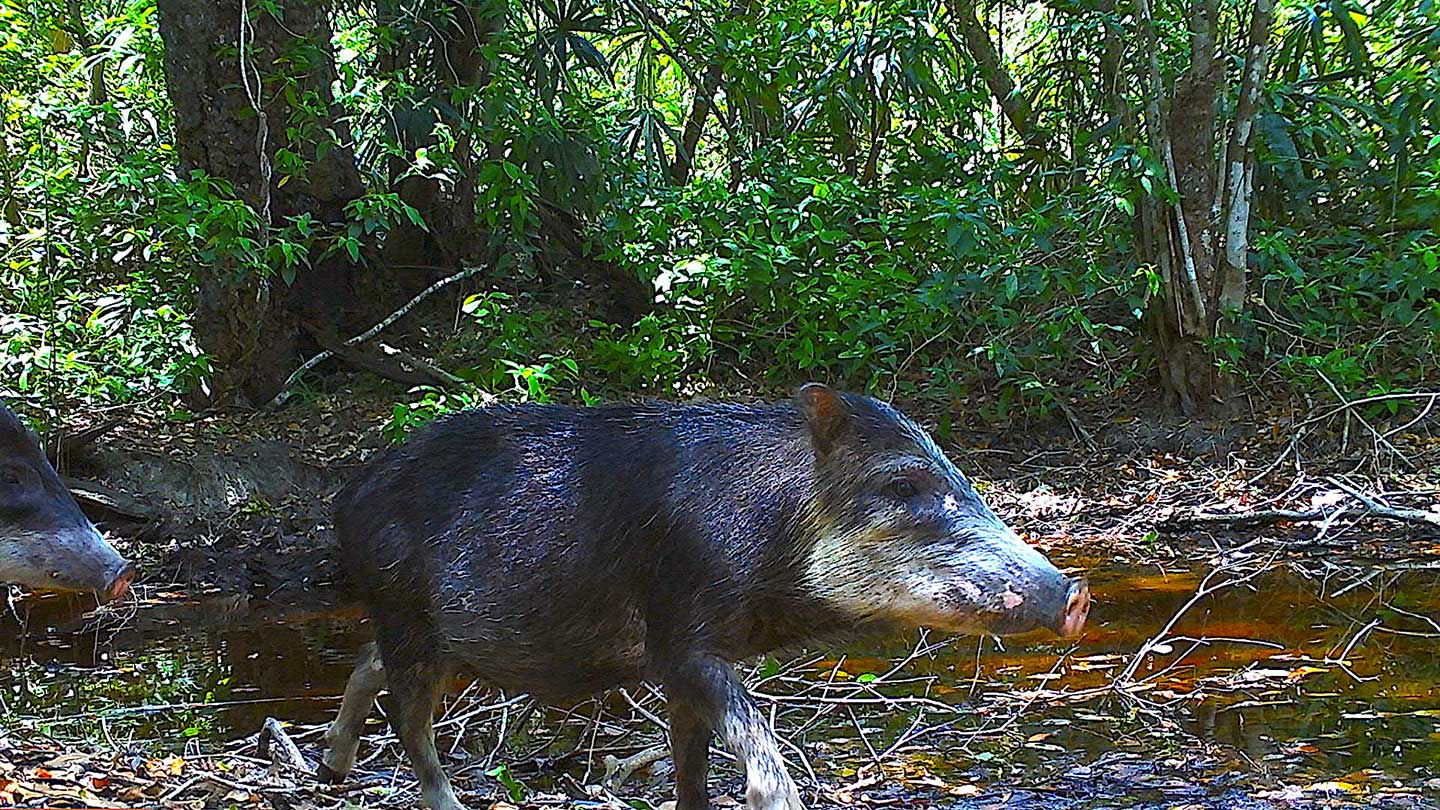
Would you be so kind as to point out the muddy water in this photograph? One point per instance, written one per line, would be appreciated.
(1323, 673)
(1270, 685)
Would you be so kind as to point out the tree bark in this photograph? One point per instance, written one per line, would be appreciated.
(1239, 179)
(1179, 315)
(230, 73)
(1199, 242)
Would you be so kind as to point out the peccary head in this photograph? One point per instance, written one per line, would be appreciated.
(902, 537)
(46, 542)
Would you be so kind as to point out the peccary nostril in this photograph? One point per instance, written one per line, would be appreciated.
(121, 585)
(1077, 608)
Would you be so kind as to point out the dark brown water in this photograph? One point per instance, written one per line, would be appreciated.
(1273, 689)
(1299, 677)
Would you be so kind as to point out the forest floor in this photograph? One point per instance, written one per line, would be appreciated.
(1289, 658)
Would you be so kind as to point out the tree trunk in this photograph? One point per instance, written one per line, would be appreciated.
(1198, 242)
(700, 108)
(1239, 179)
(231, 73)
(704, 101)
(992, 69)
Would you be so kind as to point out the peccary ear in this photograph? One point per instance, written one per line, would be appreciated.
(826, 412)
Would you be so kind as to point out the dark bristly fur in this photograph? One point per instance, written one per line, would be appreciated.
(561, 551)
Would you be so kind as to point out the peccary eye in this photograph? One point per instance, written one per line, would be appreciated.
(901, 489)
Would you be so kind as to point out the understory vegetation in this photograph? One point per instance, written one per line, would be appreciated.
(949, 206)
(246, 245)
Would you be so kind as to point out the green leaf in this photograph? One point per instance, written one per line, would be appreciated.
(769, 668)
(513, 786)
(1354, 41)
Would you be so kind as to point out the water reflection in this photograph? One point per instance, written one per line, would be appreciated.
(1268, 689)
(174, 668)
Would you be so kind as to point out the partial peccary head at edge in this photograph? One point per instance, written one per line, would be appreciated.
(46, 542)
(902, 537)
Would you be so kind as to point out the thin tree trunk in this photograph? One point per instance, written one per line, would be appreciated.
(99, 93)
(704, 103)
(1239, 172)
(1181, 317)
(700, 108)
(992, 69)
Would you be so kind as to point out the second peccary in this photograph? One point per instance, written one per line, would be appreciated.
(46, 542)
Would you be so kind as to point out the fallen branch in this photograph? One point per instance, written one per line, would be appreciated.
(618, 771)
(284, 395)
(1359, 507)
(382, 362)
(111, 500)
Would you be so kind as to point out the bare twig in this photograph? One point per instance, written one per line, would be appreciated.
(1361, 506)
(274, 743)
(1212, 583)
(1303, 428)
(1344, 660)
(284, 395)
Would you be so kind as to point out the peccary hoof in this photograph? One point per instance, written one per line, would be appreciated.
(327, 776)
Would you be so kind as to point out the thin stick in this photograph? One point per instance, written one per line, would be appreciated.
(1203, 590)
(284, 395)
(1266, 517)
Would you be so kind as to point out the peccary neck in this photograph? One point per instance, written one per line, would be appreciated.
(754, 469)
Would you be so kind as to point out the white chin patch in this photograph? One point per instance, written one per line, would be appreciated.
(925, 599)
(869, 578)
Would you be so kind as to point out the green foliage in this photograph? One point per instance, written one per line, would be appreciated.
(857, 211)
(1322, 300)
(427, 404)
(833, 280)
(514, 787)
(89, 305)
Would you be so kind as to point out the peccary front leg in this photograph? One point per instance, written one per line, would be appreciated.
(705, 694)
(342, 739)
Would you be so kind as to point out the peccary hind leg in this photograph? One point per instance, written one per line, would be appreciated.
(414, 692)
(342, 739)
